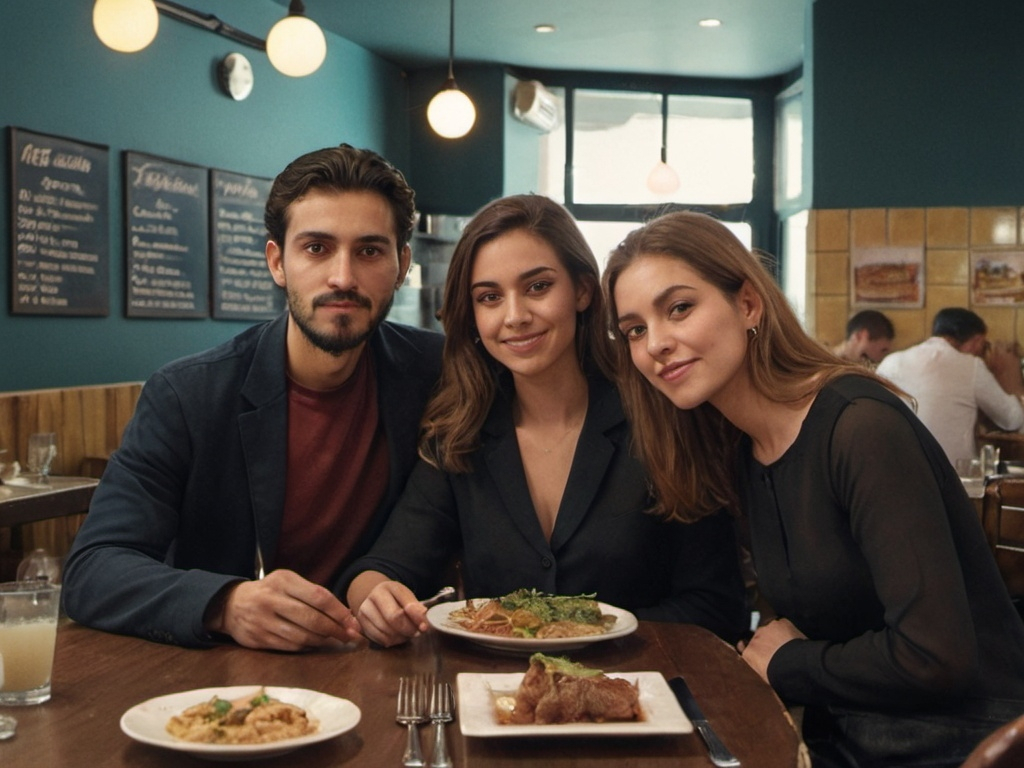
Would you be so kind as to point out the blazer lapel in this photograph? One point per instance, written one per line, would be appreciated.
(264, 435)
(594, 452)
(505, 466)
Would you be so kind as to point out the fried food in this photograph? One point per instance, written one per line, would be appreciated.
(556, 690)
(254, 719)
(529, 613)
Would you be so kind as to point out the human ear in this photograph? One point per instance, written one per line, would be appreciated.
(404, 260)
(750, 304)
(275, 262)
(584, 294)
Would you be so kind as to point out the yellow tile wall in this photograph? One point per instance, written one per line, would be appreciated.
(947, 234)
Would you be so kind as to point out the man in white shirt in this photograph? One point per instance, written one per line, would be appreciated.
(950, 381)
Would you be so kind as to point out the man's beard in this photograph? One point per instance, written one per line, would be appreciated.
(343, 338)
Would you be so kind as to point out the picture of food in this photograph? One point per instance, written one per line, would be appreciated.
(531, 614)
(884, 283)
(997, 278)
(556, 690)
(253, 719)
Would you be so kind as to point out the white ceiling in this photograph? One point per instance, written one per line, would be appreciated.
(758, 38)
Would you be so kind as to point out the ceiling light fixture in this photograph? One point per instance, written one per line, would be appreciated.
(125, 26)
(545, 28)
(296, 45)
(451, 112)
(709, 23)
(663, 180)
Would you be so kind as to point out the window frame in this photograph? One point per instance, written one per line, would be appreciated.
(759, 213)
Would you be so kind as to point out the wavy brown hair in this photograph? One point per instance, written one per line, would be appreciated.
(469, 375)
(692, 455)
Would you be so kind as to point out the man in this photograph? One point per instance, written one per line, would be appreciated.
(280, 452)
(950, 381)
(869, 336)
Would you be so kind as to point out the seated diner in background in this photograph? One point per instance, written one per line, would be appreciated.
(956, 373)
(526, 473)
(869, 336)
(895, 631)
(279, 452)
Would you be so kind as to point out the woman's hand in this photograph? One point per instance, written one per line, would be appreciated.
(758, 651)
(391, 614)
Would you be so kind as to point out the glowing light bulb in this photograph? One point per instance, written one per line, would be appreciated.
(451, 112)
(296, 46)
(126, 26)
(662, 180)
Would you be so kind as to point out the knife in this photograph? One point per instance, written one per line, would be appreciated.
(720, 756)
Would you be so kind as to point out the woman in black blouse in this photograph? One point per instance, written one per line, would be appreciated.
(895, 630)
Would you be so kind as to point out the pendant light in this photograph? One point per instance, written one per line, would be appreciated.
(126, 26)
(451, 112)
(296, 45)
(662, 180)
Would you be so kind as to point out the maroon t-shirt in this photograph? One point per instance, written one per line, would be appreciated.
(337, 473)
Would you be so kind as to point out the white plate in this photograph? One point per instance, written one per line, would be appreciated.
(437, 616)
(147, 722)
(477, 693)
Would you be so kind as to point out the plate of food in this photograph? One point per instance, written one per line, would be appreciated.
(240, 722)
(527, 621)
(558, 697)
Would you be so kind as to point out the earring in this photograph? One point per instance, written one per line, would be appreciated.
(753, 332)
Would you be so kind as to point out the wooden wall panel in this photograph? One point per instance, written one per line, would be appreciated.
(89, 422)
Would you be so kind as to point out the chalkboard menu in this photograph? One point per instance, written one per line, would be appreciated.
(243, 288)
(60, 257)
(166, 238)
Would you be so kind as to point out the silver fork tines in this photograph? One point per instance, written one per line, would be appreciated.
(441, 713)
(410, 714)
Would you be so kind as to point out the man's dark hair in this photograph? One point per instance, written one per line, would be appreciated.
(958, 324)
(342, 168)
(874, 322)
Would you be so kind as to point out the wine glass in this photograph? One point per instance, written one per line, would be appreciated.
(42, 448)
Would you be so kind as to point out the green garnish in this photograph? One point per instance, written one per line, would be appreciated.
(579, 608)
(564, 666)
(257, 700)
(221, 707)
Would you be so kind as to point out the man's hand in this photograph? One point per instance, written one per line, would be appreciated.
(283, 612)
(759, 650)
(391, 614)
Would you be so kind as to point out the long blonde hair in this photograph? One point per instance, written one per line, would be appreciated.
(469, 375)
(692, 455)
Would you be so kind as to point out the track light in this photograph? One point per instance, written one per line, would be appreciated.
(296, 45)
(125, 26)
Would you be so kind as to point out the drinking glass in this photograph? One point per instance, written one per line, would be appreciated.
(28, 636)
(42, 448)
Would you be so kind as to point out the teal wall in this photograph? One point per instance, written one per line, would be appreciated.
(917, 103)
(56, 77)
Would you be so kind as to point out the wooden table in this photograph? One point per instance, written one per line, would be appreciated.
(97, 676)
(59, 496)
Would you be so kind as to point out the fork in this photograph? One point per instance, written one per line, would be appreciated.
(440, 714)
(410, 714)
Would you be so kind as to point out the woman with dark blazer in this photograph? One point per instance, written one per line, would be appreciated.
(526, 474)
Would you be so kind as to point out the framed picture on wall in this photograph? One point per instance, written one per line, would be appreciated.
(890, 276)
(997, 277)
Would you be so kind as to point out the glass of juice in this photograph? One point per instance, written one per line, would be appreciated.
(28, 635)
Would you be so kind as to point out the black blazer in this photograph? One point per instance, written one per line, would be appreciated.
(201, 473)
(603, 540)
